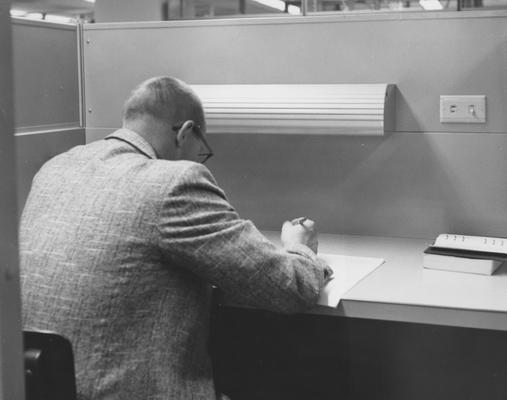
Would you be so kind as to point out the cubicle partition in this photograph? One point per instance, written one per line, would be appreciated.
(47, 103)
(422, 179)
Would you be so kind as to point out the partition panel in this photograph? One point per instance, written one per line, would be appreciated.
(46, 95)
(424, 54)
(45, 59)
(424, 179)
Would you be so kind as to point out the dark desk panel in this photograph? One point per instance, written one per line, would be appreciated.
(261, 355)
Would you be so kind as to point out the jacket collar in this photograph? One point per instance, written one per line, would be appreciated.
(135, 140)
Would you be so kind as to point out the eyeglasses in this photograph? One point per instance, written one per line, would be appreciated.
(198, 132)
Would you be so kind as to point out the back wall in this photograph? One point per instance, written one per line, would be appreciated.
(422, 179)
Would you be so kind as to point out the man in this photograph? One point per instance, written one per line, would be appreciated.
(122, 239)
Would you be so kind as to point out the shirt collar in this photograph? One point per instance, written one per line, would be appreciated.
(135, 140)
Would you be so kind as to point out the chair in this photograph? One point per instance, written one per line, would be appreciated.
(49, 366)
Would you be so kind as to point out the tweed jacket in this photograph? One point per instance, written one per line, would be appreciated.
(119, 250)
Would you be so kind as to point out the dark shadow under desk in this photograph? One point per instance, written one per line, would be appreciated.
(368, 349)
(259, 355)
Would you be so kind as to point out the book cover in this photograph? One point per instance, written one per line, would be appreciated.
(461, 264)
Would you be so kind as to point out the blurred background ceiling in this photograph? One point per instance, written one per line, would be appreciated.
(71, 8)
(161, 10)
(138, 10)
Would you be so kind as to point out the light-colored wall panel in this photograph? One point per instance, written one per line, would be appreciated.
(425, 56)
(426, 178)
(45, 60)
(406, 185)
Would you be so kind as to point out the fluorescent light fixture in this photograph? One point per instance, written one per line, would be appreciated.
(294, 10)
(430, 5)
(278, 4)
(348, 109)
(90, 1)
(34, 16)
(59, 19)
(18, 13)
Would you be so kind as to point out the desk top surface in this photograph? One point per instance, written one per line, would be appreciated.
(402, 290)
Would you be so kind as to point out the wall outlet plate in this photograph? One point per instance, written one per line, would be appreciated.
(463, 109)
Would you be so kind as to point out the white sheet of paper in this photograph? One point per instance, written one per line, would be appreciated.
(347, 272)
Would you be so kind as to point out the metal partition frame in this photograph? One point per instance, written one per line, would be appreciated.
(11, 355)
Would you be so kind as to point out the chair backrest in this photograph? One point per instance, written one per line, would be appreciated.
(49, 366)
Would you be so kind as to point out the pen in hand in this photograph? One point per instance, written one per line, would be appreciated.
(300, 221)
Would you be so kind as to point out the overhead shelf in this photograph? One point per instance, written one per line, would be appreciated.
(337, 109)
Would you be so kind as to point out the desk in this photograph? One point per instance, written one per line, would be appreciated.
(401, 333)
(401, 290)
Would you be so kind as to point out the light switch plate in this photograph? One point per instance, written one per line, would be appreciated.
(463, 109)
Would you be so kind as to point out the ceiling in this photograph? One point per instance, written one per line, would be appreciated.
(83, 8)
(71, 8)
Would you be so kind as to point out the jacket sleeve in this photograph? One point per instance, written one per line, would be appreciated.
(200, 231)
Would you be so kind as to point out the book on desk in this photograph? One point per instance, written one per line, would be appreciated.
(468, 254)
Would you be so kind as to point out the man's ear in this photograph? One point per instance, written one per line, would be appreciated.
(183, 132)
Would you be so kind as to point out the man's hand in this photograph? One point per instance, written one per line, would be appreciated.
(300, 231)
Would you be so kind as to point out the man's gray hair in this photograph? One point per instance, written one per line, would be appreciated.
(164, 98)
